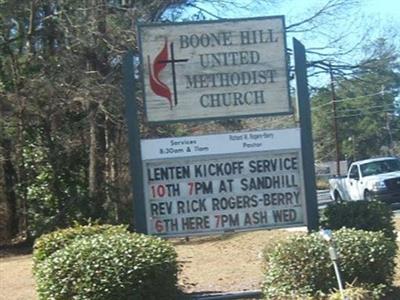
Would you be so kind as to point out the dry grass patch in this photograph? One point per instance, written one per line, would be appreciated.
(230, 262)
(16, 278)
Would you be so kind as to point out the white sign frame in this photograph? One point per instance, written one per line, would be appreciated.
(229, 146)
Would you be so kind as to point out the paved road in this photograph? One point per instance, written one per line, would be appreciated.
(323, 196)
(324, 199)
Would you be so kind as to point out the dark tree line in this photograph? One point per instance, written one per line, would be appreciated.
(63, 136)
(367, 107)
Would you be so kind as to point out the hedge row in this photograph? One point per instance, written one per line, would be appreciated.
(49, 243)
(300, 266)
(108, 262)
(364, 215)
(104, 262)
(365, 238)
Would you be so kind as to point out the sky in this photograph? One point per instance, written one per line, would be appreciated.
(383, 8)
(372, 19)
(358, 26)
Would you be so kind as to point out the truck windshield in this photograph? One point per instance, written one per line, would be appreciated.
(380, 167)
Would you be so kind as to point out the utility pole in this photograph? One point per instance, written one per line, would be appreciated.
(387, 118)
(335, 129)
(388, 128)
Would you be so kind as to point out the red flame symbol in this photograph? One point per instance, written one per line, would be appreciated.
(159, 63)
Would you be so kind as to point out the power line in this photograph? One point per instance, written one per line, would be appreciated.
(371, 109)
(363, 114)
(382, 93)
(386, 106)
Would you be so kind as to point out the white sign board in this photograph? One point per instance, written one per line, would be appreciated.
(227, 68)
(223, 182)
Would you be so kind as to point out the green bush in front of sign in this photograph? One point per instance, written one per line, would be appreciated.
(354, 293)
(364, 215)
(49, 243)
(301, 267)
(108, 267)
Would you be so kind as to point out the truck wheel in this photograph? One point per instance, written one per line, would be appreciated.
(338, 199)
(368, 196)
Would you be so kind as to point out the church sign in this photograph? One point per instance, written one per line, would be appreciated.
(203, 70)
(223, 182)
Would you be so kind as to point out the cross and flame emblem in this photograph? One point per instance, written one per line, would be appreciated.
(156, 66)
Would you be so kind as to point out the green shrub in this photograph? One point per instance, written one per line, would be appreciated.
(364, 215)
(109, 267)
(49, 243)
(301, 267)
(354, 293)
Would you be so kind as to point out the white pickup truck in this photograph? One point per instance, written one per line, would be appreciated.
(376, 178)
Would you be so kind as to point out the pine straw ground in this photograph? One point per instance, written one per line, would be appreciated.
(217, 263)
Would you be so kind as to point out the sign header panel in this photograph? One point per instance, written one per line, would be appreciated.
(229, 187)
(213, 144)
(227, 68)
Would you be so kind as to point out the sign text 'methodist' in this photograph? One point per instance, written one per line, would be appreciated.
(229, 58)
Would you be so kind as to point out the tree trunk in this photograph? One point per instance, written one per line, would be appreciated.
(92, 150)
(53, 158)
(111, 169)
(97, 140)
(8, 183)
(31, 41)
(21, 173)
